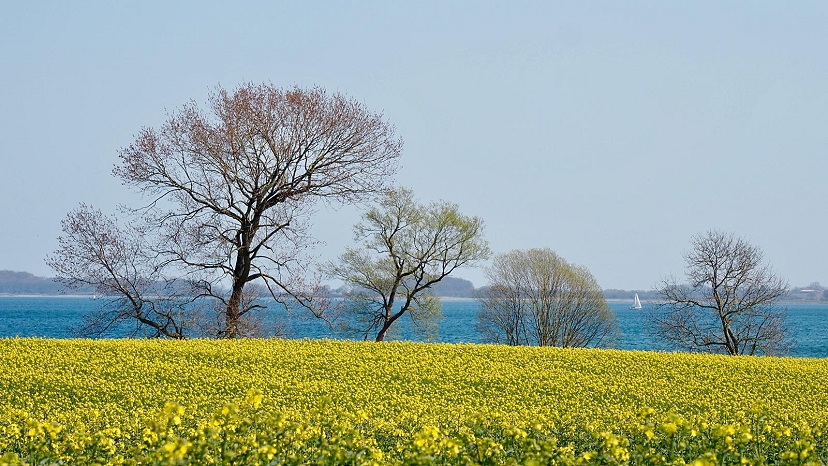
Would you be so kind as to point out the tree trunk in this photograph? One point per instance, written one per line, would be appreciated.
(386, 323)
(232, 315)
(241, 272)
(384, 331)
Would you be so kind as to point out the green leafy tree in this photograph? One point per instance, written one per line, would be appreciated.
(407, 248)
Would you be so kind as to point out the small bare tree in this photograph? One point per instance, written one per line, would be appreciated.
(231, 188)
(730, 304)
(95, 251)
(535, 297)
(408, 248)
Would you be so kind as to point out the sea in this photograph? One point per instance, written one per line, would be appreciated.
(58, 317)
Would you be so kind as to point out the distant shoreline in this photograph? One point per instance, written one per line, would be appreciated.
(442, 298)
(30, 295)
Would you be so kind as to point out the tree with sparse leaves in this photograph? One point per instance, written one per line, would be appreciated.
(408, 247)
(230, 189)
(535, 297)
(729, 305)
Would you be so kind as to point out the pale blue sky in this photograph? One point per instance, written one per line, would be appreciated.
(610, 132)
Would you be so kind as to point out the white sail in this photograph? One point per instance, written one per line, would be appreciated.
(637, 303)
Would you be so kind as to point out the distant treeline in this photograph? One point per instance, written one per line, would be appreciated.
(812, 292)
(644, 295)
(17, 283)
(26, 283)
(451, 287)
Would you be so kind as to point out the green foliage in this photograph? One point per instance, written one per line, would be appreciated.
(408, 247)
(426, 314)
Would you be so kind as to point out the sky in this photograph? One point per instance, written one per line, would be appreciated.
(610, 132)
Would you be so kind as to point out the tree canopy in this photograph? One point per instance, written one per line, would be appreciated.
(407, 248)
(535, 297)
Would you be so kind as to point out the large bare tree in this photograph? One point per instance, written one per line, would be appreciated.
(730, 304)
(535, 297)
(230, 187)
(408, 247)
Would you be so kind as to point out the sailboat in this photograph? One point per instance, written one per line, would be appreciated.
(637, 303)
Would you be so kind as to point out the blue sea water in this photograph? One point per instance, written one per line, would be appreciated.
(56, 317)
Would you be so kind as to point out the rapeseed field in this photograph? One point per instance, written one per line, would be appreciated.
(345, 402)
